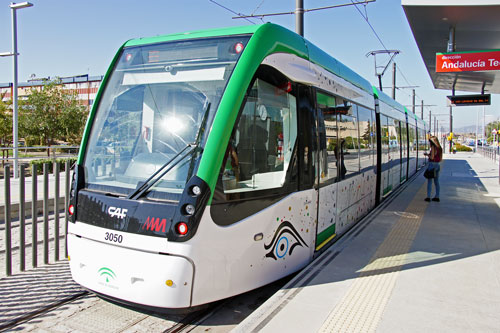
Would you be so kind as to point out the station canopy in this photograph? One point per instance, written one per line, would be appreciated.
(476, 26)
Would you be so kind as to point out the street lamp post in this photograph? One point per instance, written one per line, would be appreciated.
(15, 6)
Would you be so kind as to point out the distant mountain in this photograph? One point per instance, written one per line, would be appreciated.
(467, 129)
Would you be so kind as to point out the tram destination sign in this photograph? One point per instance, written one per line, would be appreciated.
(462, 100)
(468, 61)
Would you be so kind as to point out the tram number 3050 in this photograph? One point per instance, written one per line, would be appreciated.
(115, 238)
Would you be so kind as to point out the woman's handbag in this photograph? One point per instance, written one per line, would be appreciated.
(430, 172)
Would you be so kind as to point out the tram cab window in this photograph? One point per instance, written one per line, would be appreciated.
(261, 148)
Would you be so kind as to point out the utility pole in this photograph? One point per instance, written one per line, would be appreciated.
(394, 81)
(422, 111)
(14, 7)
(299, 17)
(413, 101)
(451, 127)
(430, 121)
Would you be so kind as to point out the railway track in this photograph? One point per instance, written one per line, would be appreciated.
(83, 311)
(24, 318)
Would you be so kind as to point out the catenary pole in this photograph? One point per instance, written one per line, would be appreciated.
(299, 17)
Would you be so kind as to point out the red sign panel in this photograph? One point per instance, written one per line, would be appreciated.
(467, 62)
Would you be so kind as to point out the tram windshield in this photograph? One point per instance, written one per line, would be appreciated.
(159, 99)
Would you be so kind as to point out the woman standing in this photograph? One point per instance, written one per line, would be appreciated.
(435, 157)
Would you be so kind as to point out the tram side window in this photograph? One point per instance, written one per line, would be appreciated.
(374, 137)
(421, 145)
(385, 141)
(261, 148)
(329, 150)
(394, 137)
(365, 138)
(349, 140)
(412, 141)
(398, 130)
(404, 139)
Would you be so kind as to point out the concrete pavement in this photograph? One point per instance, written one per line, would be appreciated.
(414, 266)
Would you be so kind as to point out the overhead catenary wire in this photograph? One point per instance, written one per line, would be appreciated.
(258, 7)
(232, 11)
(305, 10)
(365, 17)
(398, 68)
(352, 3)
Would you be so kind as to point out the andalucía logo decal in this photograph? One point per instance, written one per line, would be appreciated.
(107, 274)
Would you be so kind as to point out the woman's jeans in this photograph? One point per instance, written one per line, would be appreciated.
(436, 166)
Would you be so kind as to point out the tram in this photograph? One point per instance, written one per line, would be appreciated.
(215, 162)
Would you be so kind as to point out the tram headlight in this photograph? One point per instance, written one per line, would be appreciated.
(71, 210)
(196, 190)
(189, 209)
(238, 48)
(181, 228)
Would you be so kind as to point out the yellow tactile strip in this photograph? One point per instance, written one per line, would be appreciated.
(362, 306)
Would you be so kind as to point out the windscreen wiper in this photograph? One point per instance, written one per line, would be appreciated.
(148, 183)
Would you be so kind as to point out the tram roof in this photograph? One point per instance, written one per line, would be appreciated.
(316, 55)
(241, 30)
(388, 100)
(477, 28)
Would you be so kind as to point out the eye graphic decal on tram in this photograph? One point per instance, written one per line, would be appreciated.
(285, 239)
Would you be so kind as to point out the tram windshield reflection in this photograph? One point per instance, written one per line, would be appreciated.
(154, 104)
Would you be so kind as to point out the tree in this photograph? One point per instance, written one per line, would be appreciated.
(52, 113)
(73, 117)
(5, 124)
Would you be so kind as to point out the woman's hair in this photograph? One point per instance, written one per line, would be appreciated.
(434, 140)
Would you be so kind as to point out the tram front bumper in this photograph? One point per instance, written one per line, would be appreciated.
(150, 279)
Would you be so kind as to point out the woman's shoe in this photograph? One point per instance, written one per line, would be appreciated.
(435, 199)
(428, 199)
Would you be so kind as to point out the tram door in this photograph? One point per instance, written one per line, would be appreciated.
(329, 167)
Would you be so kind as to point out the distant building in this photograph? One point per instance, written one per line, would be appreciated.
(84, 85)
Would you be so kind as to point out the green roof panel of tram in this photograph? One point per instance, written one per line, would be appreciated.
(250, 29)
(388, 100)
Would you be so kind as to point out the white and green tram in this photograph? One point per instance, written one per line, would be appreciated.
(215, 162)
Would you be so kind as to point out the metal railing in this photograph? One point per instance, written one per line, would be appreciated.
(492, 153)
(28, 208)
(27, 154)
(489, 152)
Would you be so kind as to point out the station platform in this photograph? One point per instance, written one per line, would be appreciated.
(409, 266)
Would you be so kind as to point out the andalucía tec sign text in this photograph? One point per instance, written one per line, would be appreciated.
(468, 61)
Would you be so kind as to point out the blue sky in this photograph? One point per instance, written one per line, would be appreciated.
(68, 37)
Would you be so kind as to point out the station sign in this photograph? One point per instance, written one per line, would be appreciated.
(462, 100)
(468, 61)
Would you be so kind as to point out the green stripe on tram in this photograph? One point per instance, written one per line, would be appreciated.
(325, 236)
(387, 189)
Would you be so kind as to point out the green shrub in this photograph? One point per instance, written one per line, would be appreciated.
(462, 147)
(62, 163)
